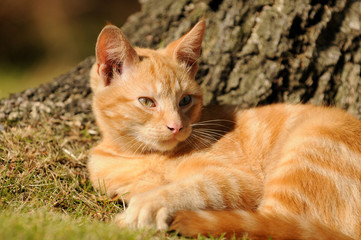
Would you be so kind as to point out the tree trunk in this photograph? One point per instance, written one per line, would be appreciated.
(255, 52)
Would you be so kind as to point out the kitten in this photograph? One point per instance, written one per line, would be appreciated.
(279, 171)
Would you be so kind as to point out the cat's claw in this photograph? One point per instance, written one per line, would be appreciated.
(120, 220)
(146, 212)
(162, 219)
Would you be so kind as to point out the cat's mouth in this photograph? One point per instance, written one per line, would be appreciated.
(164, 142)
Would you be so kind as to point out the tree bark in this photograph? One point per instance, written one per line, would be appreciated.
(255, 52)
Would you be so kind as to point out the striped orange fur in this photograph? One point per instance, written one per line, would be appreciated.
(280, 171)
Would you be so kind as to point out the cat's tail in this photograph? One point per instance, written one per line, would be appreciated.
(239, 224)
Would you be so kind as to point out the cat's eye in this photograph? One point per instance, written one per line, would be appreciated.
(185, 101)
(146, 102)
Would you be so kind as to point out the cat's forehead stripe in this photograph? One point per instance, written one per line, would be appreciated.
(164, 76)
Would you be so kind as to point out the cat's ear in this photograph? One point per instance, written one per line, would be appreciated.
(114, 54)
(187, 49)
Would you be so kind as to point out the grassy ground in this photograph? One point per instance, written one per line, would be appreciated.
(45, 192)
(47, 224)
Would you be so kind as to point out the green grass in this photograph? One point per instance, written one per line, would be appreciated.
(45, 224)
(45, 192)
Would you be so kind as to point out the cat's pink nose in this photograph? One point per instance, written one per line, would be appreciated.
(175, 128)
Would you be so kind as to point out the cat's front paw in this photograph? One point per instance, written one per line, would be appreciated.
(148, 210)
(120, 219)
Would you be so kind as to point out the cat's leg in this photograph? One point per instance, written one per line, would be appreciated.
(211, 188)
(123, 177)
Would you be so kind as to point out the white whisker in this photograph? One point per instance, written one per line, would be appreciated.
(205, 141)
(208, 136)
(138, 148)
(216, 120)
(210, 130)
(194, 142)
(212, 134)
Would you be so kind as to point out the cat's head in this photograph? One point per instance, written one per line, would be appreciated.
(146, 100)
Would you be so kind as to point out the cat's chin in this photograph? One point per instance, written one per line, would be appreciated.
(167, 145)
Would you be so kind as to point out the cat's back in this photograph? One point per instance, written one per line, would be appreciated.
(265, 133)
(300, 117)
(326, 124)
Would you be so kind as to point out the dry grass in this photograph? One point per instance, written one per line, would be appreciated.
(45, 165)
(45, 192)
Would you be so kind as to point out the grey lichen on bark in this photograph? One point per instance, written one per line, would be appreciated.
(254, 53)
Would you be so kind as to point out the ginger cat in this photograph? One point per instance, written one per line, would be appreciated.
(279, 171)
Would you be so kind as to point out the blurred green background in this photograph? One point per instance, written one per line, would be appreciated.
(40, 39)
